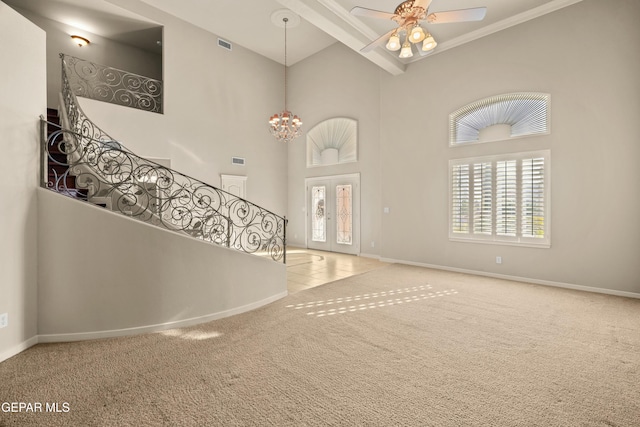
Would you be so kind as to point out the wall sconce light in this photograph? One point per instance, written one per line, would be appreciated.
(80, 41)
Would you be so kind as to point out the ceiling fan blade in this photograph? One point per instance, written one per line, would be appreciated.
(371, 13)
(377, 42)
(462, 15)
(422, 3)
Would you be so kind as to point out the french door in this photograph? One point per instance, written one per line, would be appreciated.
(333, 213)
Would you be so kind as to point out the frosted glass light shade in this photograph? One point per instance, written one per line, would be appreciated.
(394, 43)
(417, 35)
(406, 50)
(429, 43)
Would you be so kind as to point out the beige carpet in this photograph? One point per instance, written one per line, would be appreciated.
(398, 346)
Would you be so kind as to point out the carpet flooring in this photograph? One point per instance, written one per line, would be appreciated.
(397, 346)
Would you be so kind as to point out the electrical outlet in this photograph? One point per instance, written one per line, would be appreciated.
(373, 244)
(4, 320)
(498, 260)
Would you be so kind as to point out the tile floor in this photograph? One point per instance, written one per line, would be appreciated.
(307, 268)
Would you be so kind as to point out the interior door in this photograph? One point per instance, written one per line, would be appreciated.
(234, 184)
(333, 213)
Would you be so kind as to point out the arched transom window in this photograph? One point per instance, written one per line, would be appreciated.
(524, 113)
(332, 141)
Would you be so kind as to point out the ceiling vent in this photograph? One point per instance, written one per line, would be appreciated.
(237, 161)
(224, 44)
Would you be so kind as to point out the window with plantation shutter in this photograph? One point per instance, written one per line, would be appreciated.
(460, 199)
(501, 199)
(506, 198)
(533, 198)
(482, 198)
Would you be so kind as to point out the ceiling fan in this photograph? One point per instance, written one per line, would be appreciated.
(408, 15)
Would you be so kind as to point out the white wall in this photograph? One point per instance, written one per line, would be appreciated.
(337, 83)
(101, 51)
(102, 274)
(593, 82)
(22, 85)
(592, 76)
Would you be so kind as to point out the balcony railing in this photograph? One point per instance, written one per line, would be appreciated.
(83, 161)
(108, 84)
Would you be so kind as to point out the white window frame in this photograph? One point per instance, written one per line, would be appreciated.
(482, 236)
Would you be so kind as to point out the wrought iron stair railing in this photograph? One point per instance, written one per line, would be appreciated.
(106, 173)
(112, 85)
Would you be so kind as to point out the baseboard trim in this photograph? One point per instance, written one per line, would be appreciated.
(82, 336)
(7, 354)
(518, 279)
(372, 256)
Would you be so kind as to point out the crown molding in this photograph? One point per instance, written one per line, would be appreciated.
(503, 25)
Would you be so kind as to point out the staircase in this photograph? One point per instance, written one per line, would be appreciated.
(82, 161)
(57, 164)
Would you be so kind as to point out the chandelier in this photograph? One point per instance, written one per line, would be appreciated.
(285, 126)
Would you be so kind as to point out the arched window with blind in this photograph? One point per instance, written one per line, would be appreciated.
(522, 113)
(332, 141)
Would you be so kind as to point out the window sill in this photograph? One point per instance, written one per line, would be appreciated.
(527, 244)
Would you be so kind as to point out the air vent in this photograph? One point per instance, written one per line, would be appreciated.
(237, 161)
(224, 44)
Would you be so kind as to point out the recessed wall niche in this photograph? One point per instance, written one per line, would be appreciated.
(332, 142)
(512, 115)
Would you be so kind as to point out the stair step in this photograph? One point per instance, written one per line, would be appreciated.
(56, 149)
(61, 183)
(52, 127)
(60, 169)
(56, 157)
(105, 202)
(76, 194)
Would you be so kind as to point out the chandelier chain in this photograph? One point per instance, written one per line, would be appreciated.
(285, 62)
(285, 126)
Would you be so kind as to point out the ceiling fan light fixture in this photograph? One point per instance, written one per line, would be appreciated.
(429, 43)
(408, 16)
(406, 50)
(417, 34)
(394, 42)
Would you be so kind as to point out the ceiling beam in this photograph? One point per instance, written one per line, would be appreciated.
(330, 18)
